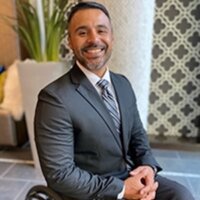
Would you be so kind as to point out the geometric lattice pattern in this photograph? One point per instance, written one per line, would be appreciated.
(175, 78)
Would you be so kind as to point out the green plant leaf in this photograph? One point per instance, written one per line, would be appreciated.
(28, 29)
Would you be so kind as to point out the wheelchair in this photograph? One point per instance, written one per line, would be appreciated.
(41, 192)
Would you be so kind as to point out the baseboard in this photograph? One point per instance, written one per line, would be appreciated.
(175, 143)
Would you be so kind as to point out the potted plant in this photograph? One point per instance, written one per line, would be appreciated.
(41, 28)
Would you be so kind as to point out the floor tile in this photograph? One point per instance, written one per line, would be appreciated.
(191, 166)
(9, 189)
(195, 184)
(24, 172)
(4, 167)
(164, 153)
(171, 164)
(189, 155)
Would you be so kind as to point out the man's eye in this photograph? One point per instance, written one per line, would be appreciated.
(102, 31)
(82, 33)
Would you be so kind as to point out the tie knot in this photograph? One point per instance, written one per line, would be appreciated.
(103, 84)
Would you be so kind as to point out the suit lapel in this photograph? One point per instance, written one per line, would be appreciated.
(89, 93)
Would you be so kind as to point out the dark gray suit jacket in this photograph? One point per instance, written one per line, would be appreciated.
(81, 154)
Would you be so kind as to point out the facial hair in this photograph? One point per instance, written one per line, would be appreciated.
(95, 63)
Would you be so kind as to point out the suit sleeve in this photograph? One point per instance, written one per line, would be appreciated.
(54, 138)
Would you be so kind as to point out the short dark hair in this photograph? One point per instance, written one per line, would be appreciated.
(87, 5)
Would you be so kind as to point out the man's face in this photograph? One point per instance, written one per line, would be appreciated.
(91, 39)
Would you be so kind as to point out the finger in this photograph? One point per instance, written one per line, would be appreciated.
(134, 196)
(149, 179)
(140, 172)
(145, 190)
(151, 196)
(149, 188)
(145, 198)
(155, 186)
(136, 171)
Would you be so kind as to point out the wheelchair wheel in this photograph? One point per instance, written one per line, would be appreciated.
(41, 192)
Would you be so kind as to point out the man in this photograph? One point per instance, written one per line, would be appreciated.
(90, 140)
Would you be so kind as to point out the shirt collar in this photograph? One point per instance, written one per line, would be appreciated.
(93, 78)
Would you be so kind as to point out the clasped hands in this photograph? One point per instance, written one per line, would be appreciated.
(140, 185)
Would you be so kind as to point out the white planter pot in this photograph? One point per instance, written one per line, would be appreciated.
(33, 77)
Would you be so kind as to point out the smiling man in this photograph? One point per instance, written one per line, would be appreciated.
(89, 136)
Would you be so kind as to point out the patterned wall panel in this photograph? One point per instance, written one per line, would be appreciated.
(175, 78)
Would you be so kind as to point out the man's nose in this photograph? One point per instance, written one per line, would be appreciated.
(92, 37)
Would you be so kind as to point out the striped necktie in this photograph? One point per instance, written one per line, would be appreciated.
(109, 102)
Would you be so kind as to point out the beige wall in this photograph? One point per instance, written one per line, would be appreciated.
(9, 48)
(133, 34)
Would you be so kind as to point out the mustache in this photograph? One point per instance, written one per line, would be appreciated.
(92, 46)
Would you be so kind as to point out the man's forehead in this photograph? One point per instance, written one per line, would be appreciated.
(93, 17)
(87, 12)
(87, 5)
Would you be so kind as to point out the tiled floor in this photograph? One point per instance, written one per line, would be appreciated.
(182, 166)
